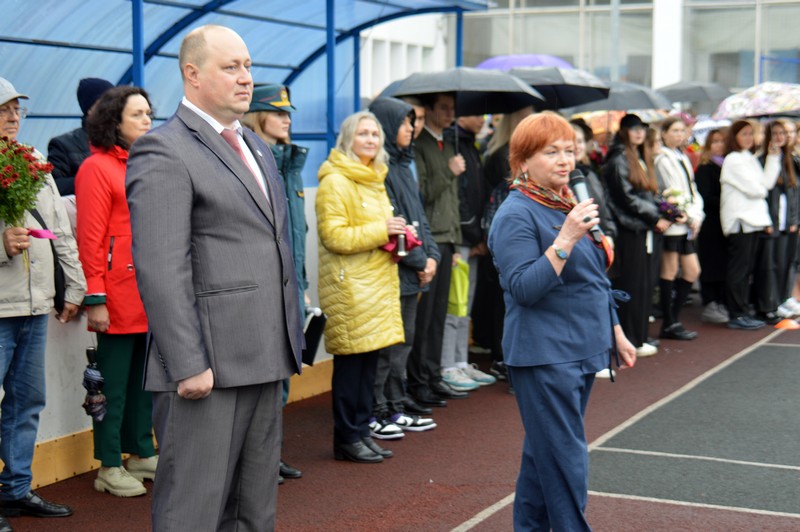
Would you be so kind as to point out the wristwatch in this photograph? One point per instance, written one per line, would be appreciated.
(560, 253)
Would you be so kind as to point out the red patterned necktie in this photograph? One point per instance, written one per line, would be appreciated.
(232, 138)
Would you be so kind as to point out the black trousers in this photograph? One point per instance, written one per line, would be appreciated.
(785, 251)
(391, 367)
(352, 387)
(633, 274)
(425, 360)
(741, 261)
(765, 275)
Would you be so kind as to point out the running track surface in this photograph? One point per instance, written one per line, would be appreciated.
(461, 474)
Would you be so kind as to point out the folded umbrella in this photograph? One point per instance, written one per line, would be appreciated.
(95, 402)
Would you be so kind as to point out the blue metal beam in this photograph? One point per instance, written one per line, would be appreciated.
(356, 72)
(330, 50)
(138, 42)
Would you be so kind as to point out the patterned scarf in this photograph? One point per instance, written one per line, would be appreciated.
(564, 202)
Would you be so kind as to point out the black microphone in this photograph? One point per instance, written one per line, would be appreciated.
(577, 182)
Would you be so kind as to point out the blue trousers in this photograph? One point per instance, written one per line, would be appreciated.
(22, 345)
(552, 487)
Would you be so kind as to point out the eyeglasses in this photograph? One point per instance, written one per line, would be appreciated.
(8, 112)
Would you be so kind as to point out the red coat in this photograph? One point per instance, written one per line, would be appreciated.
(104, 238)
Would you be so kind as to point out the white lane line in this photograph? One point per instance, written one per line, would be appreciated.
(484, 515)
(795, 346)
(696, 457)
(677, 393)
(496, 507)
(694, 504)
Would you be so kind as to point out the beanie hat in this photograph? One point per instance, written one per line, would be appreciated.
(90, 90)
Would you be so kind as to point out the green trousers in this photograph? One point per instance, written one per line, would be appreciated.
(128, 424)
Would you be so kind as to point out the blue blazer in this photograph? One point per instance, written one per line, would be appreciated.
(550, 319)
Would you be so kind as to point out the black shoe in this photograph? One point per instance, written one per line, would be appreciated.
(288, 471)
(444, 391)
(356, 452)
(426, 397)
(652, 341)
(499, 370)
(377, 449)
(677, 332)
(412, 407)
(32, 504)
(5, 526)
(770, 318)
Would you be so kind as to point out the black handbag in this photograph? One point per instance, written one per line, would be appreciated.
(59, 279)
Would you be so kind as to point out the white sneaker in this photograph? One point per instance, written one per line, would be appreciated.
(793, 305)
(413, 423)
(785, 310)
(384, 429)
(458, 381)
(646, 350)
(117, 481)
(605, 373)
(472, 372)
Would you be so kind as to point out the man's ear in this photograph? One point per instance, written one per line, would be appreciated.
(190, 74)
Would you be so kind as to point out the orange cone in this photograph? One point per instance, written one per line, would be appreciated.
(787, 324)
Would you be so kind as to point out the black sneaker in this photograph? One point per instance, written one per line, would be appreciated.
(498, 369)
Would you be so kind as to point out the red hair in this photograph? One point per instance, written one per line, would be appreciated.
(533, 134)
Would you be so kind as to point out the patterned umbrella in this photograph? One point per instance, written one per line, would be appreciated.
(770, 98)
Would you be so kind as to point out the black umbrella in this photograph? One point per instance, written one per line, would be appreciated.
(695, 91)
(625, 97)
(563, 87)
(93, 381)
(478, 92)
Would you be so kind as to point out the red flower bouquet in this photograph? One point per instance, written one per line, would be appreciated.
(22, 176)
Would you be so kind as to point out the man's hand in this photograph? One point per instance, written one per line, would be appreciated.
(196, 387)
(15, 239)
(69, 312)
(478, 251)
(426, 275)
(99, 319)
(457, 164)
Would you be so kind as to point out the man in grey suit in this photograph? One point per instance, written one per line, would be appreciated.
(214, 267)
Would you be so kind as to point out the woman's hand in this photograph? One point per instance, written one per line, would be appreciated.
(774, 148)
(457, 165)
(98, 318)
(662, 225)
(580, 219)
(625, 347)
(396, 226)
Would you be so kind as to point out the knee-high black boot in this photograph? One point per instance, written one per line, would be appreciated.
(665, 302)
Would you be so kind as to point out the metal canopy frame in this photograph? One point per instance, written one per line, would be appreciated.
(161, 45)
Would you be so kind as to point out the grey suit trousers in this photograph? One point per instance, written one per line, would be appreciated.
(223, 454)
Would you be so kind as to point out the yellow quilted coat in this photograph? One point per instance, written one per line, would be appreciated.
(359, 288)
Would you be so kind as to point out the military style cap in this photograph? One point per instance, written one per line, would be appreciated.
(271, 97)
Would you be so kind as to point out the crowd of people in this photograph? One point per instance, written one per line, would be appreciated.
(434, 239)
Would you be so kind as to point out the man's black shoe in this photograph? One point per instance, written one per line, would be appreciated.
(288, 471)
(677, 332)
(441, 389)
(32, 504)
(5, 526)
(426, 397)
(412, 407)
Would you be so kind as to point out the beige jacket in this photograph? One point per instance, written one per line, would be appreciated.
(31, 293)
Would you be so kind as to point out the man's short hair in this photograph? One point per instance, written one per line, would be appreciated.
(193, 46)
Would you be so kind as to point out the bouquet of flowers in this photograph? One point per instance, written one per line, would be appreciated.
(22, 176)
(672, 203)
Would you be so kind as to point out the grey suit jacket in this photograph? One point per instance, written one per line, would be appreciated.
(213, 258)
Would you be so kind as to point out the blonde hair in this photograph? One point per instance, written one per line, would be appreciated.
(347, 134)
(504, 130)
